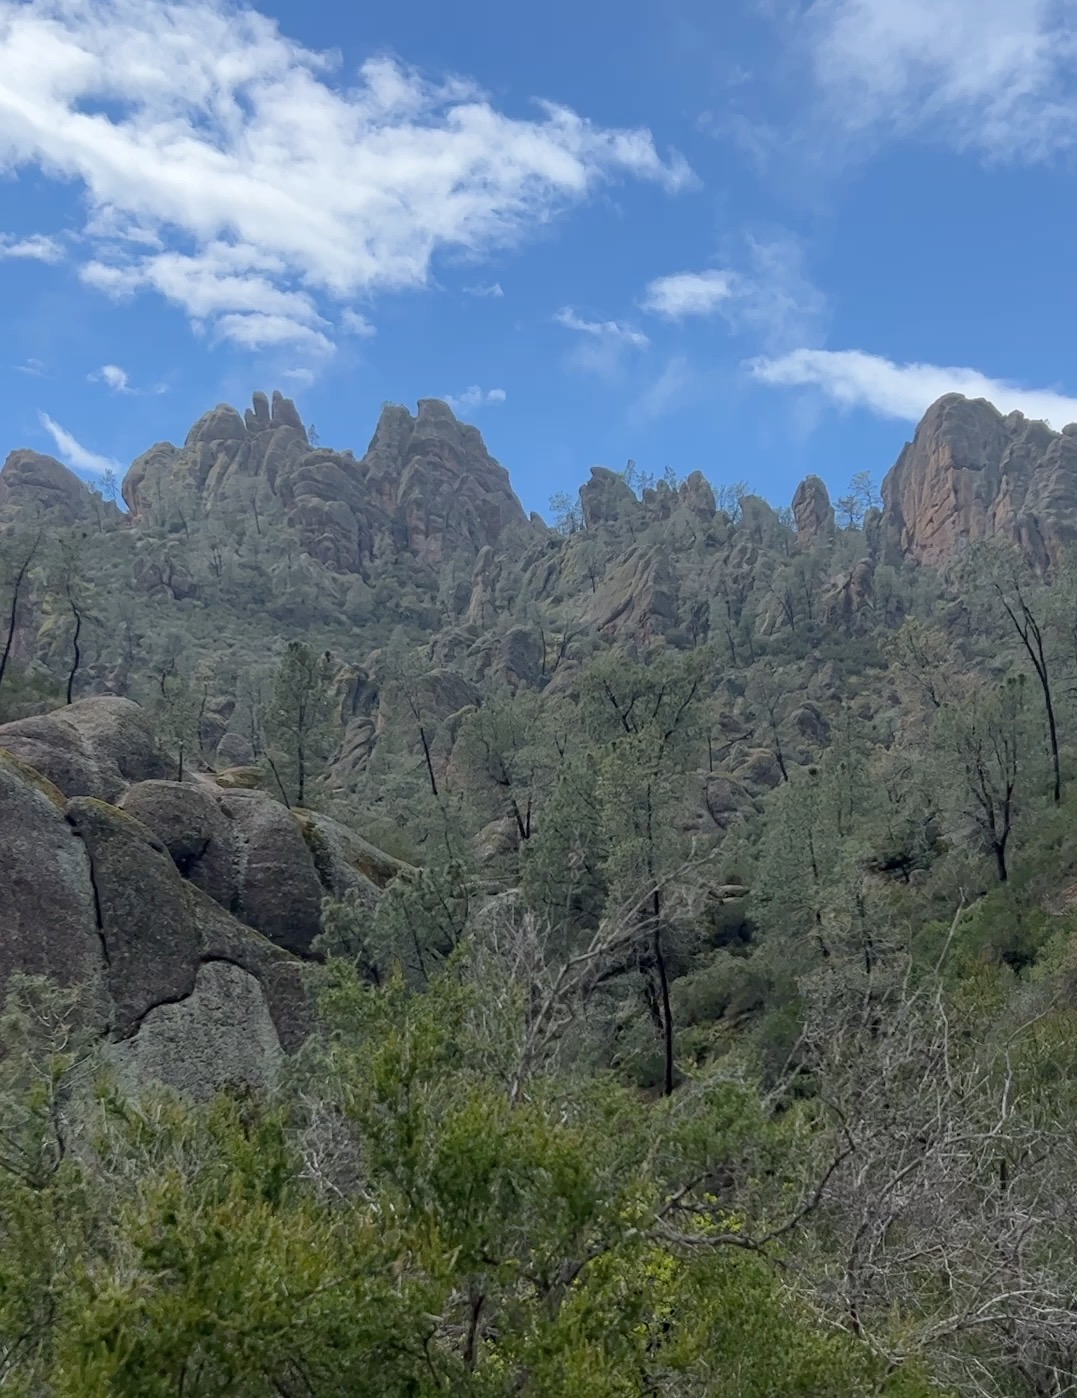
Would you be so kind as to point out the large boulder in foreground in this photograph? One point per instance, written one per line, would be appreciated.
(90, 897)
(94, 747)
(266, 865)
(48, 924)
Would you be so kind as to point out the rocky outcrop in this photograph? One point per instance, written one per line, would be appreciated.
(970, 473)
(266, 865)
(47, 914)
(433, 475)
(90, 898)
(183, 910)
(607, 498)
(36, 487)
(638, 597)
(812, 511)
(94, 747)
(426, 486)
(850, 595)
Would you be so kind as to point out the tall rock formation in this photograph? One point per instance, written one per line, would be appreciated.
(34, 486)
(426, 486)
(970, 473)
(812, 511)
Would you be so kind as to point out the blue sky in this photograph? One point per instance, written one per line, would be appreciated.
(755, 238)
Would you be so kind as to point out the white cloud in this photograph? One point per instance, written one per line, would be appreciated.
(493, 290)
(475, 397)
(768, 296)
(990, 75)
(231, 170)
(38, 247)
(300, 375)
(256, 330)
(356, 324)
(34, 367)
(854, 379)
(75, 455)
(603, 343)
(602, 329)
(117, 380)
(687, 294)
(775, 299)
(113, 377)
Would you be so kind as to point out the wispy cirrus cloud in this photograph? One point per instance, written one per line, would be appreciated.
(992, 76)
(355, 323)
(854, 379)
(234, 172)
(81, 459)
(611, 330)
(678, 383)
(493, 290)
(602, 344)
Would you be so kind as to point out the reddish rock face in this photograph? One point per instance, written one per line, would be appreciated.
(971, 474)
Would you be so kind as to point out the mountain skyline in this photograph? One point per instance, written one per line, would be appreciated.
(757, 245)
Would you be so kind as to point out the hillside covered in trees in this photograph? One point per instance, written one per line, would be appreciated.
(451, 952)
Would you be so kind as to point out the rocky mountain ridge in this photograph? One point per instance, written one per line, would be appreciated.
(427, 486)
(426, 482)
(418, 569)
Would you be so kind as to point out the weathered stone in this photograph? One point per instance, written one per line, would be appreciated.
(970, 474)
(497, 839)
(222, 1035)
(89, 896)
(697, 495)
(342, 857)
(150, 940)
(234, 750)
(850, 594)
(513, 659)
(727, 800)
(809, 722)
(48, 924)
(94, 747)
(606, 498)
(36, 487)
(812, 511)
(278, 890)
(188, 820)
(426, 486)
(637, 597)
(760, 769)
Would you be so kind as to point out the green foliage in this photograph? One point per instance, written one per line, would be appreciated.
(454, 1240)
(297, 726)
(715, 1043)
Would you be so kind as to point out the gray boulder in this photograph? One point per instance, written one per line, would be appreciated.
(94, 747)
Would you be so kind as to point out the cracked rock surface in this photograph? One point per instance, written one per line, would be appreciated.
(184, 911)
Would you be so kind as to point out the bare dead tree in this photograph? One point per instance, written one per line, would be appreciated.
(950, 1203)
